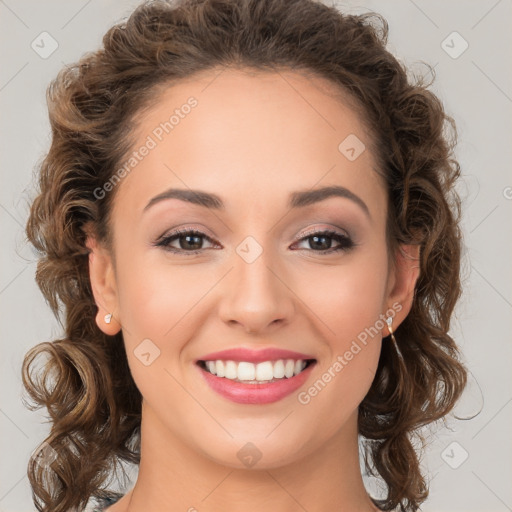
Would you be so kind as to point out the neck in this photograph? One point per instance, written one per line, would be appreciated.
(174, 477)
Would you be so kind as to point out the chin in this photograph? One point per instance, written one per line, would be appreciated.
(254, 454)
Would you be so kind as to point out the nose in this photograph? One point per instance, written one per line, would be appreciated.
(256, 296)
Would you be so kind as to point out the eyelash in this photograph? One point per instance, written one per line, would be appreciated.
(345, 241)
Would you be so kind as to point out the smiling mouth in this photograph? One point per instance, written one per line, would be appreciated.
(264, 372)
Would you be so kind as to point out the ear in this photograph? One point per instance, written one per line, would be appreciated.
(402, 281)
(103, 284)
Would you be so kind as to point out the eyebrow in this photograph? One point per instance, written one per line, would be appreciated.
(297, 199)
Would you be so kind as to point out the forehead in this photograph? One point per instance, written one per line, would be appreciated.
(240, 132)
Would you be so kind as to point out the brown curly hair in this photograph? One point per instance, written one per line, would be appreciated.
(85, 383)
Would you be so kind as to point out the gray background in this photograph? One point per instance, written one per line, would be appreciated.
(476, 87)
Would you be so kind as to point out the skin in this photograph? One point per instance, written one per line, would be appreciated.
(252, 139)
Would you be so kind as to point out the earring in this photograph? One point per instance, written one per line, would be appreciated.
(108, 318)
(389, 321)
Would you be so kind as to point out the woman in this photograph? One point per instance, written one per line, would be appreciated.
(248, 214)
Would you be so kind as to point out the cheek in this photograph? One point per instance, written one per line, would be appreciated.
(349, 302)
(348, 299)
(359, 304)
(155, 297)
(158, 302)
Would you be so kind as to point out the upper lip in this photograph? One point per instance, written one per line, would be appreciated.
(254, 356)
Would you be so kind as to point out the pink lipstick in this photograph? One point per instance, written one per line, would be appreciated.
(255, 376)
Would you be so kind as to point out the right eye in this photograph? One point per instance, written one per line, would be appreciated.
(188, 239)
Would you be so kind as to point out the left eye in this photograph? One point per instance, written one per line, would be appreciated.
(345, 243)
(190, 241)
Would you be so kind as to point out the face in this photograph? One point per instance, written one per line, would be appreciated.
(261, 263)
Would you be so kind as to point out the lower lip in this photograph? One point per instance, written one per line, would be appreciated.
(255, 393)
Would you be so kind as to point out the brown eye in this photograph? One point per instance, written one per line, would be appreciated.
(321, 241)
(189, 241)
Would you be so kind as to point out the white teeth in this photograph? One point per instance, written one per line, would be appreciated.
(246, 371)
(288, 368)
(279, 369)
(219, 367)
(231, 371)
(259, 372)
(264, 371)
